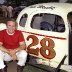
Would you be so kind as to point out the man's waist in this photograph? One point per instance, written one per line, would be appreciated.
(11, 47)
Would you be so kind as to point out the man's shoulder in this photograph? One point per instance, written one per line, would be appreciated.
(18, 31)
(4, 30)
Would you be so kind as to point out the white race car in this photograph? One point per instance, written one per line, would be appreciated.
(47, 31)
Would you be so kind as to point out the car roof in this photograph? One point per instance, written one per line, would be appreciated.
(59, 7)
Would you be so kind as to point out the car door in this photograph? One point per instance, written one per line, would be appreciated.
(46, 36)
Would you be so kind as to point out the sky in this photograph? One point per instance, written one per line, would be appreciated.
(1, 1)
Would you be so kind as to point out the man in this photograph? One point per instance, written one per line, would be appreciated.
(4, 10)
(10, 11)
(12, 46)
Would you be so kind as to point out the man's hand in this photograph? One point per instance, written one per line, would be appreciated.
(12, 53)
(14, 57)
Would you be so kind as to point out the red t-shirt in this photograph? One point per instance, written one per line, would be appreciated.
(11, 41)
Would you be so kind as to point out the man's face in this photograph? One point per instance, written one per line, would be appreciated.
(11, 26)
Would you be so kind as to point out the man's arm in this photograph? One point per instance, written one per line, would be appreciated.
(21, 47)
(7, 51)
(3, 49)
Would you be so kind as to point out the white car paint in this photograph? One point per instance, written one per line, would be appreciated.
(60, 40)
